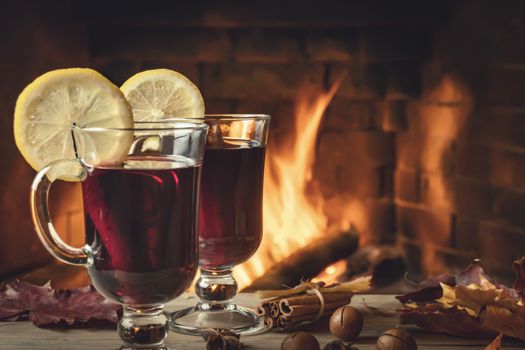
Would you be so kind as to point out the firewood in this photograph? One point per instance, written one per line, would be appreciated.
(308, 262)
(385, 264)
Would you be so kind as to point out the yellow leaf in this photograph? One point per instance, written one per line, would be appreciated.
(462, 301)
(473, 298)
(504, 321)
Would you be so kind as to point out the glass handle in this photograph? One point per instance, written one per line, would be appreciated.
(69, 170)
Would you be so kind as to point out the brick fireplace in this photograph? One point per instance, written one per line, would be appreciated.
(422, 145)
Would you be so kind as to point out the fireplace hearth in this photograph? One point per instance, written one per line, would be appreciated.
(402, 121)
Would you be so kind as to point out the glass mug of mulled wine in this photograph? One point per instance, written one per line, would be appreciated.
(230, 222)
(140, 217)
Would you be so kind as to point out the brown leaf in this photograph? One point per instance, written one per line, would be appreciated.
(504, 321)
(495, 344)
(471, 299)
(519, 282)
(435, 318)
(474, 306)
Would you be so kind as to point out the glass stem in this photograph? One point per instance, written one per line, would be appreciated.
(143, 327)
(216, 289)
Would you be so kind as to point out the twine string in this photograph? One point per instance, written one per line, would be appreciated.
(313, 288)
(360, 284)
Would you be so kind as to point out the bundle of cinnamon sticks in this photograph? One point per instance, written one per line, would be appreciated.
(308, 302)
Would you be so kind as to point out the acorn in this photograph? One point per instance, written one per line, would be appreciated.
(346, 323)
(396, 339)
(300, 341)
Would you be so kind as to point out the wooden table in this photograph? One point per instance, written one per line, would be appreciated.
(23, 335)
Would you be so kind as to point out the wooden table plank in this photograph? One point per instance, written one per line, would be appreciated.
(23, 335)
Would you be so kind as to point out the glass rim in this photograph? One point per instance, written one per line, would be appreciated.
(225, 116)
(161, 125)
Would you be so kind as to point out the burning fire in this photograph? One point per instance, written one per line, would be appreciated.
(291, 217)
(331, 273)
(444, 124)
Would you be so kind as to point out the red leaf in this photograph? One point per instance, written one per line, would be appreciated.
(46, 306)
(473, 274)
(428, 290)
(17, 297)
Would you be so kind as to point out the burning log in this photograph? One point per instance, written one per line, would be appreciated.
(384, 263)
(308, 262)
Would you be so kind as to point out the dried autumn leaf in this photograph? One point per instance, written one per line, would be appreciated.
(474, 274)
(495, 307)
(428, 290)
(495, 344)
(45, 306)
(505, 321)
(431, 289)
(12, 306)
(476, 304)
(519, 282)
(435, 318)
(468, 298)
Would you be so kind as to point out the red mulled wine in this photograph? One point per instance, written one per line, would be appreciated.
(230, 216)
(140, 223)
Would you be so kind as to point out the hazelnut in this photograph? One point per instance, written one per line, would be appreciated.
(300, 341)
(396, 339)
(338, 345)
(346, 323)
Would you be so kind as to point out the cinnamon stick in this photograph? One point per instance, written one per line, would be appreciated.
(300, 310)
(307, 302)
(274, 308)
(284, 322)
(313, 299)
(269, 322)
(263, 310)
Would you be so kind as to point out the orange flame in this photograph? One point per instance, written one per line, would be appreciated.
(332, 273)
(445, 124)
(291, 217)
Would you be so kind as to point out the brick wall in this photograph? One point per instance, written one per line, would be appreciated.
(33, 40)
(256, 58)
(459, 183)
(418, 140)
(423, 143)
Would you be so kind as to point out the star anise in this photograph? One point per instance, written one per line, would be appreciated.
(221, 339)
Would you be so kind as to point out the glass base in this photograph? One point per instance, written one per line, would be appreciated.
(204, 316)
(143, 328)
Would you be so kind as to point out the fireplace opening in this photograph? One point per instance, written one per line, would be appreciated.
(396, 144)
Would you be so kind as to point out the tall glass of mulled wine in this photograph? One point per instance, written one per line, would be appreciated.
(140, 217)
(230, 222)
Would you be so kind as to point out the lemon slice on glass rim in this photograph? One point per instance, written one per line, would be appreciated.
(47, 109)
(159, 94)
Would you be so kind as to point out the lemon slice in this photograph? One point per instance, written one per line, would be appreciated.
(162, 93)
(48, 107)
